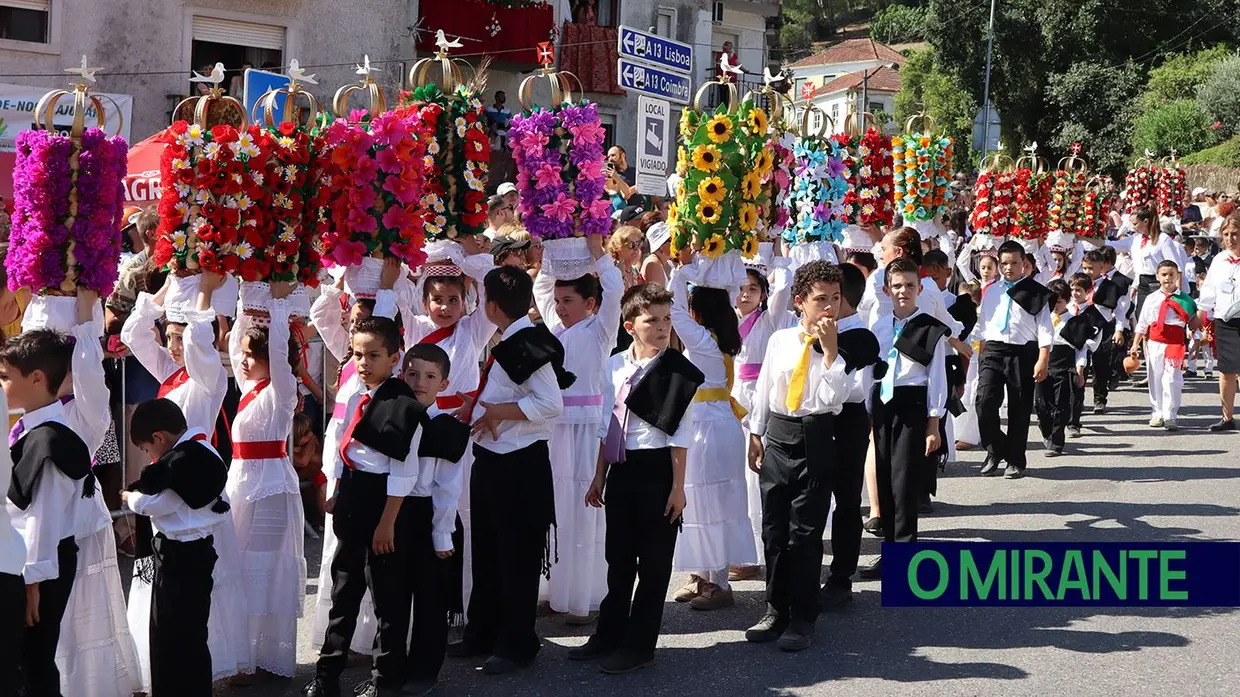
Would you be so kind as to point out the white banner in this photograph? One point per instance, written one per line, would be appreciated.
(17, 103)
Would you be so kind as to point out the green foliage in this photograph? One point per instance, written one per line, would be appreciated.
(899, 24)
(1219, 95)
(1181, 74)
(1226, 154)
(1178, 124)
(1096, 104)
(924, 84)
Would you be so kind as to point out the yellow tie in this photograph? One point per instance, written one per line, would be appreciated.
(1055, 319)
(800, 374)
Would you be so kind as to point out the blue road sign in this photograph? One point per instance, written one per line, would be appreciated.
(655, 82)
(655, 50)
(260, 82)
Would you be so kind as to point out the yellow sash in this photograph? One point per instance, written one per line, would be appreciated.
(723, 394)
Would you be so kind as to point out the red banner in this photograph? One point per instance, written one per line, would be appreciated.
(517, 31)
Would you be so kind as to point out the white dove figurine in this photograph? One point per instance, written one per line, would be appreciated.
(297, 74)
(442, 42)
(1032, 148)
(769, 79)
(365, 69)
(86, 72)
(726, 67)
(215, 78)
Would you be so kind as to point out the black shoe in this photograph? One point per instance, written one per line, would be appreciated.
(1190, 373)
(925, 506)
(497, 665)
(990, 468)
(1014, 472)
(320, 687)
(626, 661)
(874, 526)
(418, 688)
(1223, 425)
(834, 596)
(1100, 407)
(798, 636)
(464, 649)
(873, 572)
(589, 651)
(769, 628)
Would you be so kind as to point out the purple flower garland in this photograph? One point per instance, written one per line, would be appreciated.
(42, 183)
(559, 156)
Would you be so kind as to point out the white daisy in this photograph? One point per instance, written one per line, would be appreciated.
(211, 151)
(202, 196)
(178, 240)
(182, 209)
(433, 148)
(179, 163)
(286, 142)
(244, 250)
(193, 134)
(258, 178)
(244, 202)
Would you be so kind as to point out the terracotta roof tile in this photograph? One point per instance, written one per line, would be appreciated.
(852, 51)
(883, 79)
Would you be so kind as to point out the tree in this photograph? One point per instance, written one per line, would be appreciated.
(899, 24)
(1219, 95)
(1178, 124)
(924, 85)
(1182, 73)
(1096, 104)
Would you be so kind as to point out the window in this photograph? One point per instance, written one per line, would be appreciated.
(607, 13)
(25, 20)
(876, 107)
(237, 45)
(608, 122)
(665, 22)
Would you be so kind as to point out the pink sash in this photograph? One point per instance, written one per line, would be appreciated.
(749, 371)
(583, 400)
(747, 325)
(347, 372)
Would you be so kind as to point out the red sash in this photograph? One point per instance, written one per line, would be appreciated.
(1172, 335)
(180, 377)
(251, 395)
(199, 436)
(261, 450)
(438, 335)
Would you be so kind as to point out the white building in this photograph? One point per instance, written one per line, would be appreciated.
(849, 77)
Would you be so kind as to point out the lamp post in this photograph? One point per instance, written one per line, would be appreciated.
(990, 46)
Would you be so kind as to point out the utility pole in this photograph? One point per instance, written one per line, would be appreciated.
(990, 47)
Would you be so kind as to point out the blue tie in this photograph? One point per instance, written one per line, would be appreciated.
(1007, 305)
(887, 388)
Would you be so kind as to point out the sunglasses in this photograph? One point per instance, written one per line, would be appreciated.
(633, 245)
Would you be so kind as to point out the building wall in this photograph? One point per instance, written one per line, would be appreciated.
(838, 105)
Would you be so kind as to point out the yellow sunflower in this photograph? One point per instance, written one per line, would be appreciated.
(688, 122)
(748, 217)
(673, 216)
(763, 162)
(709, 211)
(751, 185)
(756, 121)
(750, 246)
(707, 158)
(682, 161)
(712, 189)
(714, 247)
(719, 128)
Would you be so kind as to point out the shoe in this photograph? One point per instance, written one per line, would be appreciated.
(1054, 451)
(990, 468)
(497, 665)
(1190, 373)
(797, 637)
(962, 446)
(1073, 431)
(768, 629)
(873, 572)
(1156, 422)
(745, 573)
(925, 506)
(1013, 472)
(626, 661)
(368, 689)
(1223, 425)
(1171, 425)
(418, 688)
(874, 526)
(464, 649)
(713, 598)
(690, 590)
(1100, 408)
(318, 687)
(1143, 382)
(545, 609)
(1209, 374)
(1047, 444)
(589, 651)
(580, 620)
(834, 596)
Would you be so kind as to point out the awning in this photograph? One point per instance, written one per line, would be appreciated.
(142, 177)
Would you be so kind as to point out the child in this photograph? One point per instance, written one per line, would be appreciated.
(182, 491)
(988, 268)
(795, 403)
(965, 425)
(12, 588)
(513, 501)
(262, 484)
(1081, 286)
(642, 469)
(1015, 325)
(908, 401)
(1055, 395)
(1165, 320)
(717, 533)
(1110, 296)
(42, 499)
(584, 313)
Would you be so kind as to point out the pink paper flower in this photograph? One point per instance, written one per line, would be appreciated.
(348, 253)
(561, 208)
(547, 175)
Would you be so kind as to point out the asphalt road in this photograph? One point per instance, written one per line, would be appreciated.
(1122, 481)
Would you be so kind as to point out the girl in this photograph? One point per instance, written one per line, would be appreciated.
(717, 531)
(967, 435)
(262, 485)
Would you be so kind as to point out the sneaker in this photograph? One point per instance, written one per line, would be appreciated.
(745, 573)
(1073, 431)
(1223, 425)
(1100, 407)
(713, 598)
(690, 590)
(369, 689)
(1171, 425)
(797, 637)
(834, 596)
(768, 629)
(318, 687)
(1014, 472)
(1156, 422)
(626, 661)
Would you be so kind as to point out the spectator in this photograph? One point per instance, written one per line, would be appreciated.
(308, 463)
(500, 212)
(498, 115)
(657, 267)
(511, 249)
(619, 178)
(629, 215)
(509, 191)
(625, 246)
(649, 218)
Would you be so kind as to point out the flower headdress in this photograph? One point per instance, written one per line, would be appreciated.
(871, 181)
(1140, 183)
(1067, 194)
(1172, 189)
(820, 186)
(922, 162)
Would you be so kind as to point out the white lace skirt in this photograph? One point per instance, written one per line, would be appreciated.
(753, 495)
(96, 655)
(273, 565)
(579, 579)
(367, 624)
(717, 532)
(966, 424)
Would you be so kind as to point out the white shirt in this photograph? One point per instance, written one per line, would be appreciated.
(1082, 354)
(1149, 314)
(88, 412)
(401, 476)
(640, 434)
(587, 344)
(170, 514)
(701, 350)
(825, 387)
(1120, 313)
(442, 481)
(12, 546)
(1022, 327)
(875, 303)
(539, 398)
(910, 373)
(1146, 255)
(861, 380)
(53, 507)
(1221, 289)
(754, 344)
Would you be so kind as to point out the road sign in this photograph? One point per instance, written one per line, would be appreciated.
(992, 131)
(260, 82)
(654, 82)
(655, 50)
(654, 117)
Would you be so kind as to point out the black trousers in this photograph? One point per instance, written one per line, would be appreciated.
(796, 482)
(1146, 284)
(1055, 399)
(900, 459)
(180, 607)
(639, 547)
(1010, 367)
(428, 580)
(852, 442)
(356, 569)
(513, 509)
(39, 645)
(12, 631)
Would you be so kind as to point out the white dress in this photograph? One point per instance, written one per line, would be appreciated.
(716, 532)
(96, 655)
(578, 579)
(266, 503)
(200, 397)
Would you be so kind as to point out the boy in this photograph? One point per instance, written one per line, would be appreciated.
(1165, 320)
(642, 469)
(1015, 325)
(376, 470)
(1055, 396)
(908, 401)
(511, 496)
(182, 492)
(794, 408)
(43, 500)
(1081, 286)
(12, 588)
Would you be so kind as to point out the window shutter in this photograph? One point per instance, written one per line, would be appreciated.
(228, 31)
